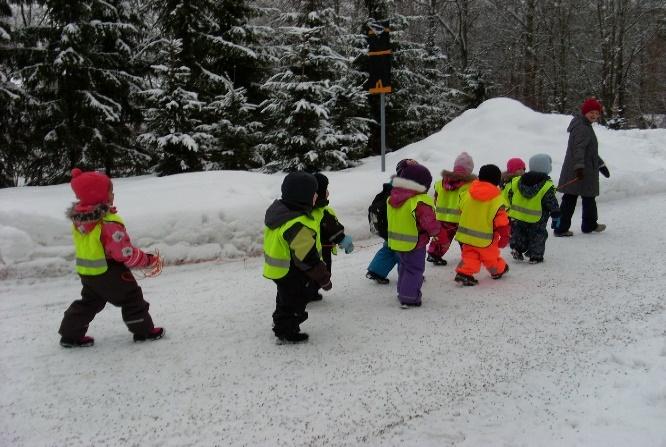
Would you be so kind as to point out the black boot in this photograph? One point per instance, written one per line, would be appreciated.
(376, 277)
(465, 280)
(437, 260)
(294, 337)
(499, 275)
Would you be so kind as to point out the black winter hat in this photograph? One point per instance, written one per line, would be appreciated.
(322, 184)
(299, 187)
(322, 187)
(490, 174)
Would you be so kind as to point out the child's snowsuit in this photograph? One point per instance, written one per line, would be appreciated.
(483, 229)
(412, 222)
(385, 258)
(104, 255)
(532, 200)
(447, 199)
(292, 252)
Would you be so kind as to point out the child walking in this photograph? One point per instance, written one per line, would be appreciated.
(291, 254)
(532, 200)
(483, 228)
(447, 198)
(104, 255)
(411, 223)
(385, 258)
(331, 231)
(515, 167)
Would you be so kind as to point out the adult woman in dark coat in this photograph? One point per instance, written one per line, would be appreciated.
(580, 172)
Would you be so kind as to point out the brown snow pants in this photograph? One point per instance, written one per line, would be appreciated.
(116, 286)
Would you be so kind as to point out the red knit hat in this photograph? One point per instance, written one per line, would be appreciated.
(589, 105)
(91, 188)
(514, 164)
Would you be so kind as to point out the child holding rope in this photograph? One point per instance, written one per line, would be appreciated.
(104, 255)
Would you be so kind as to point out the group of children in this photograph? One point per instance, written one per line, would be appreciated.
(483, 213)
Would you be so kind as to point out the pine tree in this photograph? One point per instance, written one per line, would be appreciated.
(422, 101)
(80, 68)
(197, 118)
(11, 97)
(308, 95)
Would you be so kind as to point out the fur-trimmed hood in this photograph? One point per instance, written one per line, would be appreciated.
(404, 189)
(454, 180)
(85, 218)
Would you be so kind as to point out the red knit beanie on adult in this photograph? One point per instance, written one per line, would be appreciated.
(91, 188)
(589, 105)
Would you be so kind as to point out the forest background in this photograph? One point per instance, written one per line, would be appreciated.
(163, 87)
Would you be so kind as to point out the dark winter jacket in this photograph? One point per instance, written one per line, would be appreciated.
(529, 186)
(301, 239)
(332, 231)
(582, 152)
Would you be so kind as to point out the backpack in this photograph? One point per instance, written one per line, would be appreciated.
(377, 214)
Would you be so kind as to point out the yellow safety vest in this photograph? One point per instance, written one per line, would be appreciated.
(90, 256)
(403, 234)
(277, 254)
(524, 209)
(318, 214)
(476, 222)
(447, 207)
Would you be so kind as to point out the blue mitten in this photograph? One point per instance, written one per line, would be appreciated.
(555, 223)
(347, 244)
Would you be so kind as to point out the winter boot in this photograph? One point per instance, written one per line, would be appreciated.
(536, 260)
(155, 334)
(499, 275)
(408, 305)
(82, 342)
(376, 277)
(518, 256)
(465, 280)
(316, 297)
(294, 337)
(562, 233)
(599, 228)
(437, 260)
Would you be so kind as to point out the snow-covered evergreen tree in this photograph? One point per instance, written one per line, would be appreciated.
(196, 117)
(423, 100)
(80, 67)
(308, 93)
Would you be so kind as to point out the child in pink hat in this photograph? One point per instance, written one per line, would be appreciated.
(515, 167)
(447, 193)
(104, 255)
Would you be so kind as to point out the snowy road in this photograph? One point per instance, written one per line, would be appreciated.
(571, 352)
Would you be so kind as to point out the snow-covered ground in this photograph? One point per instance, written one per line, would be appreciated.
(571, 352)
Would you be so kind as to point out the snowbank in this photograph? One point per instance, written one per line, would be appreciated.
(219, 214)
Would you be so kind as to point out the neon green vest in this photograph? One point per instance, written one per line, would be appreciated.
(277, 254)
(403, 233)
(318, 214)
(476, 222)
(90, 257)
(447, 206)
(524, 209)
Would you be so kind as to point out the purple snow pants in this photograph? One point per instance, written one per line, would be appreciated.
(410, 275)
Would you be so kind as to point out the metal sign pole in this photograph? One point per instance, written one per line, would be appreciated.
(382, 115)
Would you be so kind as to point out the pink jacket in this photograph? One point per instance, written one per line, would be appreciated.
(426, 222)
(115, 240)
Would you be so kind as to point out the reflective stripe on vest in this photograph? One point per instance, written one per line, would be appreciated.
(90, 256)
(403, 234)
(447, 206)
(318, 214)
(476, 222)
(527, 209)
(277, 254)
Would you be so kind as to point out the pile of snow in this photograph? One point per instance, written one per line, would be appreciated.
(219, 214)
